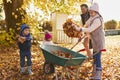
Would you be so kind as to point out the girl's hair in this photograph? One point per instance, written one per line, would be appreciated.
(99, 14)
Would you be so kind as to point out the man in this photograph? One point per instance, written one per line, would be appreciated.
(84, 17)
(85, 14)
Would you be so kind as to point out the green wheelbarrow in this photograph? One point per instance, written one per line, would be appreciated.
(51, 59)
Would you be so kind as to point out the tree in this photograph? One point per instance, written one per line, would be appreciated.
(47, 25)
(13, 15)
(61, 6)
(112, 24)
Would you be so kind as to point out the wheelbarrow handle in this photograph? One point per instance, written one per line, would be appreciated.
(81, 50)
(103, 50)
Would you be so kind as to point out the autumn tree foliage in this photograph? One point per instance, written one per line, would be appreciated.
(15, 10)
(118, 26)
(112, 24)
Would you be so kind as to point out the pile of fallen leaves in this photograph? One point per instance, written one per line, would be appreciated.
(68, 28)
(9, 64)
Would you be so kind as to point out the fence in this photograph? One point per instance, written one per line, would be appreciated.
(112, 32)
(61, 37)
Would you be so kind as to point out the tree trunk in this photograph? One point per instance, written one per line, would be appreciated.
(13, 13)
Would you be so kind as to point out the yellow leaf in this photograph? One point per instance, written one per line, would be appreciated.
(13, 13)
(16, 16)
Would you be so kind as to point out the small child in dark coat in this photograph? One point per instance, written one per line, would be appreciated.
(24, 44)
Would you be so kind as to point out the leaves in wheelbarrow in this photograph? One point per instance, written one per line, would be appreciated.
(61, 54)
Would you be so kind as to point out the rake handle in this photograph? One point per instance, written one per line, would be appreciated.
(77, 42)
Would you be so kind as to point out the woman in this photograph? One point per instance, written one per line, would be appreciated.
(96, 31)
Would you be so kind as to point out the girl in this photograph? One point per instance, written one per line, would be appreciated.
(96, 30)
(47, 39)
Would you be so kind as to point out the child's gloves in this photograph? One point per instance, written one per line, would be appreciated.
(21, 39)
(17, 36)
(76, 28)
(24, 38)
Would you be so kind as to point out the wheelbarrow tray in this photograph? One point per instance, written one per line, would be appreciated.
(59, 60)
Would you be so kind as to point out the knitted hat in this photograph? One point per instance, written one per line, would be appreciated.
(94, 7)
(24, 26)
(48, 36)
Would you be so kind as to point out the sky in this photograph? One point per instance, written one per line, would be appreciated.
(109, 9)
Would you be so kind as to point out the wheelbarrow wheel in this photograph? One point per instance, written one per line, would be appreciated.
(48, 68)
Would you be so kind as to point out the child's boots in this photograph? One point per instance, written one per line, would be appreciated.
(97, 75)
(30, 71)
(22, 70)
(94, 69)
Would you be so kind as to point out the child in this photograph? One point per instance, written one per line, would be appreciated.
(96, 30)
(24, 44)
(47, 39)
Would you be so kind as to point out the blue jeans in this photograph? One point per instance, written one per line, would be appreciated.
(22, 58)
(97, 61)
